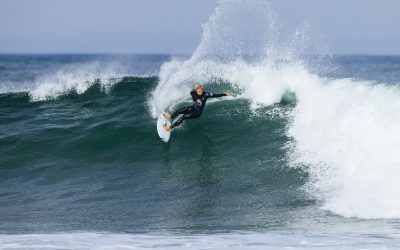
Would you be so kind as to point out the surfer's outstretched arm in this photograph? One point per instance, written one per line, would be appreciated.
(216, 95)
(211, 95)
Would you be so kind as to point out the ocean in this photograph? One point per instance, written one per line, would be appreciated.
(305, 155)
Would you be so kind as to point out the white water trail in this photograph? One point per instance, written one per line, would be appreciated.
(345, 133)
(226, 38)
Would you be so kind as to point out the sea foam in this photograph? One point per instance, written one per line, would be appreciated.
(236, 240)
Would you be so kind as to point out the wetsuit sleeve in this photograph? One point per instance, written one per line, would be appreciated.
(193, 94)
(211, 95)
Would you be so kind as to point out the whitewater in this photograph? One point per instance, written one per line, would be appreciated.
(304, 156)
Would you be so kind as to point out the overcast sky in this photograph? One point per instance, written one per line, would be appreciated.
(174, 26)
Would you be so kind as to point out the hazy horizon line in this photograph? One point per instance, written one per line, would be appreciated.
(170, 53)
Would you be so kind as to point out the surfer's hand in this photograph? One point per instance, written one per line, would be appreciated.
(198, 102)
(228, 93)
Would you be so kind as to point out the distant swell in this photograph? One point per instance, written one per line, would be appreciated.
(84, 88)
(60, 75)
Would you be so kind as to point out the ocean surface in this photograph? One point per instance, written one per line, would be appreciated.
(305, 155)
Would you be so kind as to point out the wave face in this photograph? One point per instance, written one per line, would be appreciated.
(305, 143)
(93, 161)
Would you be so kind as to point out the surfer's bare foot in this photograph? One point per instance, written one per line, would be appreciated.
(167, 115)
(166, 127)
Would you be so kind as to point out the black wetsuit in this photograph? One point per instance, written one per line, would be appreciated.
(195, 110)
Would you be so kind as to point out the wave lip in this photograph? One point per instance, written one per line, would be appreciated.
(76, 78)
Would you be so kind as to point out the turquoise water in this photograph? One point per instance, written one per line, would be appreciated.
(92, 162)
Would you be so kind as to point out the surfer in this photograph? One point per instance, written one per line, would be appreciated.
(194, 111)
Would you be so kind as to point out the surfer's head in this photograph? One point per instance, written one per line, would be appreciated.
(199, 89)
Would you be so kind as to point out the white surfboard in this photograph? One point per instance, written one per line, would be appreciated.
(162, 133)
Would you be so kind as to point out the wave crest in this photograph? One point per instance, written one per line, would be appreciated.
(77, 77)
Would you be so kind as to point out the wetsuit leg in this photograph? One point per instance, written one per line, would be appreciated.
(191, 114)
(181, 111)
